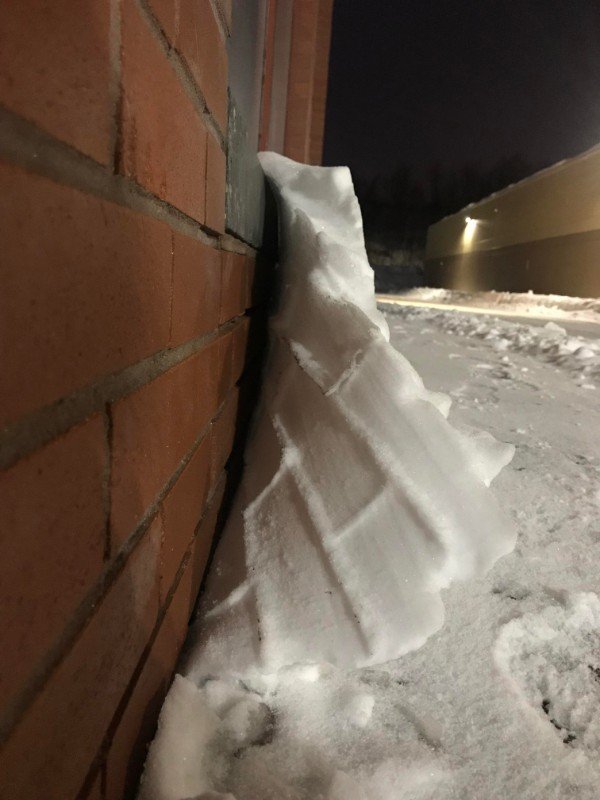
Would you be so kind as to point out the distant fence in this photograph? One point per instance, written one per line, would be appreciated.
(541, 234)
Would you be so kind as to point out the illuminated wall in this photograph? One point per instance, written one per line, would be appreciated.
(541, 234)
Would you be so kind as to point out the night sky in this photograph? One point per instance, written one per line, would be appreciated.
(451, 81)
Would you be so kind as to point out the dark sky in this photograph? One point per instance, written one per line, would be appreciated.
(451, 81)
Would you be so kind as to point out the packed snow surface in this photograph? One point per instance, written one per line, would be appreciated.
(550, 342)
(504, 701)
(360, 502)
(554, 306)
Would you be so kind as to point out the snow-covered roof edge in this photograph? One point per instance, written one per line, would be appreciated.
(534, 176)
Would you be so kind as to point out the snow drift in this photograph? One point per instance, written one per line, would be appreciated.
(359, 500)
(359, 503)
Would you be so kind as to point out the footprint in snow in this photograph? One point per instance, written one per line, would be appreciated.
(552, 661)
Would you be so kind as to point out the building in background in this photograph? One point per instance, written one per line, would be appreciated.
(541, 234)
(133, 296)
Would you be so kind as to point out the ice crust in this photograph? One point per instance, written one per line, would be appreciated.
(359, 501)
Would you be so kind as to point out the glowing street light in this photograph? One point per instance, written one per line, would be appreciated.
(469, 231)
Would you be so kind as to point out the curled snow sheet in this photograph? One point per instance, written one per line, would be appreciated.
(359, 500)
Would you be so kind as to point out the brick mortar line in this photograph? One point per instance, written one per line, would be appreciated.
(100, 758)
(219, 15)
(76, 624)
(238, 238)
(230, 243)
(37, 429)
(28, 147)
(181, 70)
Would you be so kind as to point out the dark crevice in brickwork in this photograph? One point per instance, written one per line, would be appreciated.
(96, 777)
(118, 148)
(265, 294)
(116, 86)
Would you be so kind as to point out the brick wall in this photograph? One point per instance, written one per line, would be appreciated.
(131, 336)
(307, 80)
(125, 320)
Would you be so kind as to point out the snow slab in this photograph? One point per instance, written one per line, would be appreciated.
(359, 503)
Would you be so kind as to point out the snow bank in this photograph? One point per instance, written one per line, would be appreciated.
(551, 343)
(359, 503)
(549, 305)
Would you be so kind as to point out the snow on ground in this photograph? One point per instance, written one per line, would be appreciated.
(504, 701)
(360, 503)
(554, 306)
(550, 342)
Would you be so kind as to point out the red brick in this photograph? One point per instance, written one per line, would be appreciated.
(55, 70)
(85, 289)
(165, 12)
(305, 23)
(153, 429)
(52, 544)
(164, 139)
(234, 285)
(53, 745)
(215, 186)
(202, 47)
(224, 429)
(138, 724)
(203, 542)
(196, 289)
(320, 80)
(181, 511)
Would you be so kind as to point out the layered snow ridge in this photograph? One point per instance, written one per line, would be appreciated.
(359, 500)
